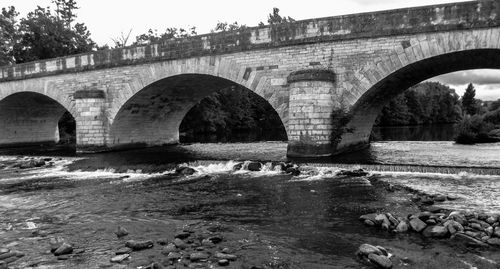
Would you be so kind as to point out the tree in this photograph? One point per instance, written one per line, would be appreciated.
(8, 34)
(43, 34)
(469, 101)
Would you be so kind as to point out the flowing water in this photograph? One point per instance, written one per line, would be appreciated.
(279, 221)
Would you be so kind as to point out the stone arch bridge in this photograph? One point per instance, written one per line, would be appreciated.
(312, 72)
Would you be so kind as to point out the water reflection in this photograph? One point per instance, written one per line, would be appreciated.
(438, 132)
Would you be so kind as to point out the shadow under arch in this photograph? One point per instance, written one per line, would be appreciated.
(365, 111)
(153, 115)
(31, 118)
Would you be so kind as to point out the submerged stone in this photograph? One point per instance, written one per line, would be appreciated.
(380, 261)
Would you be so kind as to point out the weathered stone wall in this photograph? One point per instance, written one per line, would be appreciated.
(140, 94)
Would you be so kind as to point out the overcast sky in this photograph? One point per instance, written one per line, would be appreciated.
(106, 19)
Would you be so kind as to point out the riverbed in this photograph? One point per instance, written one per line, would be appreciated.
(266, 218)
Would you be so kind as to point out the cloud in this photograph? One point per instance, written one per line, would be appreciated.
(477, 77)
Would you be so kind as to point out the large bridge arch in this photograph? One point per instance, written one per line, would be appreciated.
(380, 81)
(152, 116)
(29, 117)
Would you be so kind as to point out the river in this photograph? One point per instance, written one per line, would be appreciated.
(268, 219)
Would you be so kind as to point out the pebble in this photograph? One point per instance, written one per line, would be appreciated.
(174, 256)
(120, 258)
(121, 232)
(180, 243)
(139, 245)
(196, 256)
(254, 166)
(223, 262)
(169, 248)
(224, 256)
(182, 235)
(65, 248)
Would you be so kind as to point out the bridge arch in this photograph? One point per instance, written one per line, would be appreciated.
(152, 116)
(378, 82)
(29, 117)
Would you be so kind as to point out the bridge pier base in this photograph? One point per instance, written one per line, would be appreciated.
(310, 119)
(92, 122)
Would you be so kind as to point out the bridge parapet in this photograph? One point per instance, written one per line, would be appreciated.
(446, 17)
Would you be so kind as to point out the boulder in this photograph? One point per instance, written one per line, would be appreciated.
(223, 262)
(367, 249)
(55, 243)
(402, 227)
(382, 219)
(139, 245)
(254, 166)
(417, 225)
(185, 171)
(380, 261)
(453, 226)
(435, 231)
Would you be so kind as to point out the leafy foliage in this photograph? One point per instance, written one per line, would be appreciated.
(43, 34)
(231, 111)
(170, 33)
(425, 103)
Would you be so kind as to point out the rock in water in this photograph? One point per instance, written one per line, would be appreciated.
(402, 227)
(65, 248)
(435, 231)
(196, 256)
(353, 173)
(139, 245)
(55, 243)
(468, 240)
(370, 217)
(185, 171)
(417, 225)
(224, 256)
(254, 166)
(366, 249)
(120, 258)
(380, 260)
(121, 232)
(223, 262)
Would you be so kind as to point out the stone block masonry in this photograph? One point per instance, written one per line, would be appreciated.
(139, 95)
